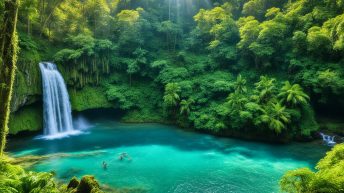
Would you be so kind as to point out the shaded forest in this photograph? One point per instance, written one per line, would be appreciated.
(259, 66)
(270, 70)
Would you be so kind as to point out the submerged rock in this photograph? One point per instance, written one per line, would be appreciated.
(30, 160)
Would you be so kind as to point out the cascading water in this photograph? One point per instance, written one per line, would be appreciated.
(56, 106)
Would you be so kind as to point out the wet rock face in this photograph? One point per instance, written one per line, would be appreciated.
(27, 86)
(23, 101)
(27, 119)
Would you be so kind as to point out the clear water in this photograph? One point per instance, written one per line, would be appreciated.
(167, 159)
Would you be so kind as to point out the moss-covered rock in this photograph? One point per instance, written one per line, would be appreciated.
(88, 185)
(89, 98)
(29, 118)
(73, 183)
(27, 87)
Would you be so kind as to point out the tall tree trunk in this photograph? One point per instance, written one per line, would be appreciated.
(169, 10)
(45, 21)
(130, 80)
(8, 54)
(28, 25)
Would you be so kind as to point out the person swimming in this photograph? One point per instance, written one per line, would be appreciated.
(104, 165)
(124, 155)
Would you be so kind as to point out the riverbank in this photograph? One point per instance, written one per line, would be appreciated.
(29, 122)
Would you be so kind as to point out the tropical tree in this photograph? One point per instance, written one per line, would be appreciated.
(28, 10)
(171, 97)
(171, 31)
(268, 43)
(276, 117)
(218, 26)
(69, 20)
(135, 65)
(97, 14)
(265, 89)
(319, 41)
(293, 94)
(240, 85)
(249, 29)
(128, 28)
(236, 110)
(254, 8)
(185, 106)
(236, 101)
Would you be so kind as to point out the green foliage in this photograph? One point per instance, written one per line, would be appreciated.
(265, 89)
(146, 115)
(249, 29)
(297, 180)
(128, 17)
(171, 74)
(149, 62)
(308, 123)
(240, 85)
(87, 61)
(129, 53)
(208, 117)
(325, 80)
(136, 97)
(219, 25)
(171, 96)
(185, 106)
(318, 41)
(259, 108)
(276, 116)
(328, 177)
(89, 98)
(171, 31)
(15, 179)
(293, 94)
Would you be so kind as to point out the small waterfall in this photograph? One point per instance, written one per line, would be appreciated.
(328, 140)
(56, 106)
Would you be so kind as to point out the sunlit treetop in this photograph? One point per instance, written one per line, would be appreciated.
(129, 16)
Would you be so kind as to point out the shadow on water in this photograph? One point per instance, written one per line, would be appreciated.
(107, 133)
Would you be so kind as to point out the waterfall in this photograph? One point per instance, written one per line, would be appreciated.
(57, 114)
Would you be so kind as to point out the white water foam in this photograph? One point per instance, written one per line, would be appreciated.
(57, 114)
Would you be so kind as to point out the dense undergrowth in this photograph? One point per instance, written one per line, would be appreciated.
(15, 179)
(328, 176)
